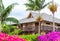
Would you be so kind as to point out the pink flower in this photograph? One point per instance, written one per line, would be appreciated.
(6, 37)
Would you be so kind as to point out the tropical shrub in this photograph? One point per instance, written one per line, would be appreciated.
(53, 36)
(32, 37)
(11, 30)
(15, 32)
(5, 28)
(6, 37)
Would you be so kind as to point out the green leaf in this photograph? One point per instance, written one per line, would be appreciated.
(36, 5)
(12, 20)
(7, 11)
(31, 1)
(29, 5)
(46, 4)
(1, 7)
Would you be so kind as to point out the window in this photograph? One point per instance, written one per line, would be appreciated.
(36, 23)
(21, 25)
(31, 28)
(58, 25)
(48, 23)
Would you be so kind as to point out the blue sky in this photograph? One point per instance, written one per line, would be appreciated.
(19, 11)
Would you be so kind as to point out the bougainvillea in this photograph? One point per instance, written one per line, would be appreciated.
(6, 37)
(53, 36)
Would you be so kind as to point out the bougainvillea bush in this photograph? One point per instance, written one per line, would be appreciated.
(6, 37)
(53, 36)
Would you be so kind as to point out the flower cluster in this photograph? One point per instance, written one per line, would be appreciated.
(53, 36)
(6, 37)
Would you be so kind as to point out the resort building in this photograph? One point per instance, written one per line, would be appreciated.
(29, 24)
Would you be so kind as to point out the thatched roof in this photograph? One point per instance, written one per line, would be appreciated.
(44, 16)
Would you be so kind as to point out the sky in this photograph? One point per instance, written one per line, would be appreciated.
(19, 11)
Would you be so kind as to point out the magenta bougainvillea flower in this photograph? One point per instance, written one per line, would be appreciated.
(53, 36)
(6, 37)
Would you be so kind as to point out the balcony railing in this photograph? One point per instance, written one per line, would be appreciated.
(51, 25)
(29, 28)
(43, 27)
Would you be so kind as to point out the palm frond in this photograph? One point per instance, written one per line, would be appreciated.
(46, 4)
(42, 2)
(1, 6)
(7, 11)
(12, 19)
(29, 9)
(29, 5)
(0, 2)
(31, 1)
(37, 5)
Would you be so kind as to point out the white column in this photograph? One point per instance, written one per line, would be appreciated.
(17, 26)
(33, 26)
(53, 22)
(23, 26)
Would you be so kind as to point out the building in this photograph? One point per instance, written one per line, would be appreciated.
(31, 25)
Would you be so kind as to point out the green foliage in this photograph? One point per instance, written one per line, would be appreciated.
(12, 30)
(15, 32)
(36, 5)
(12, 20)
(7, 11)
(5, 28)
(4, 12)
(32, 37)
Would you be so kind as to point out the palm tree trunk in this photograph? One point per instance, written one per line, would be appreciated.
(0, 26)
(53, 18)
(39, 28)
(53, 23)
(52, 1)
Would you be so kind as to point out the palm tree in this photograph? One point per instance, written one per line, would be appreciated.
(36, 5)
(53, 8)
(4, 12)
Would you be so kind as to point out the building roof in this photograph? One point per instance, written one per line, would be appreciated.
(44, 16)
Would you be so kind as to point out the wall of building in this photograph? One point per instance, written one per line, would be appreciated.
(47, 26)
